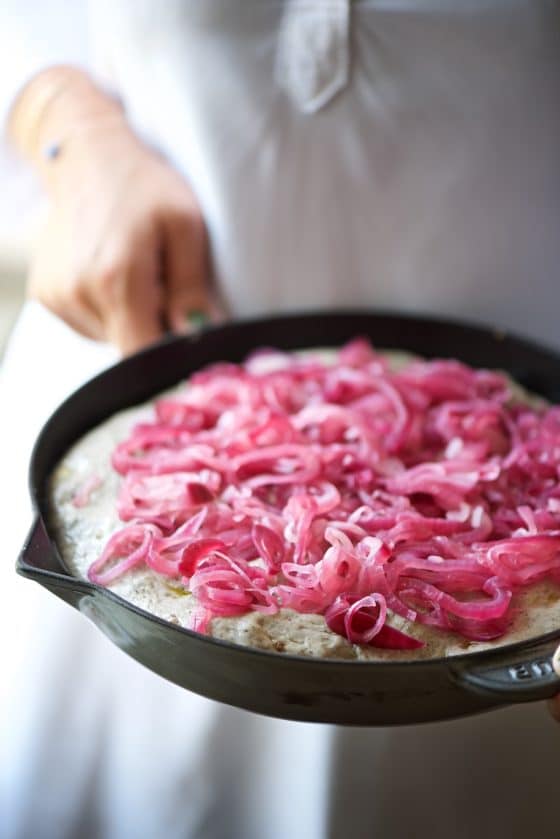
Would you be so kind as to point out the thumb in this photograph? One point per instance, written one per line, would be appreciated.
(186, 263)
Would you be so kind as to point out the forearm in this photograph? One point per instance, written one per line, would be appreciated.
(58, 115)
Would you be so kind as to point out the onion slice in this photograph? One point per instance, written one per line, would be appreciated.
(345, 489)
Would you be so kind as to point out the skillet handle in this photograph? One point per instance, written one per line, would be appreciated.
(39, 560)
(39, 553)
(525, 676)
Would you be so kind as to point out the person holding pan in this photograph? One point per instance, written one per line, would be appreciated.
(236, 158)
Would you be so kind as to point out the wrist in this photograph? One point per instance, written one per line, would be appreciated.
(91, 148)
(59, 107)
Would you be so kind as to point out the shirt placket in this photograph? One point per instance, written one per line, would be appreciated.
(313, 53)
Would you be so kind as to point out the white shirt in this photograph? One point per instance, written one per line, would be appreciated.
(427, 183)
(398, 154)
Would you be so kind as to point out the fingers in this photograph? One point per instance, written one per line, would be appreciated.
(132, 302)
(74, 312)
(122, 304)
(59, 293)
(131, 330)
(79, 317)
(186, 271)
(128, 281)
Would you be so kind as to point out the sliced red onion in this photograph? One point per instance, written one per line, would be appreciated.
(269, 545)
(195, 552)
(365, 620)
(125, 549)
(354, 634)
(343, 489)
(82, 496)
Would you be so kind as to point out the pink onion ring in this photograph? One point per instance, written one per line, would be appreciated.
(344, 489)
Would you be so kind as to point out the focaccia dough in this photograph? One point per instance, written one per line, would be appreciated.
(81, 534)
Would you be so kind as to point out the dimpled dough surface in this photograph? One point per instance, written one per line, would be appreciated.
(81, 534)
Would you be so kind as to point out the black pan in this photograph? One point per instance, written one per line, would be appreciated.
(349, 693)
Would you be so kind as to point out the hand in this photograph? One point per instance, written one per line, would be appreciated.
(123, 255)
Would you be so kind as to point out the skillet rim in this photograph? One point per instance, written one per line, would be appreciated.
(69, 580)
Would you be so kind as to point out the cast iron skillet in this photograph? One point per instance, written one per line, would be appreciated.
(350, 693)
